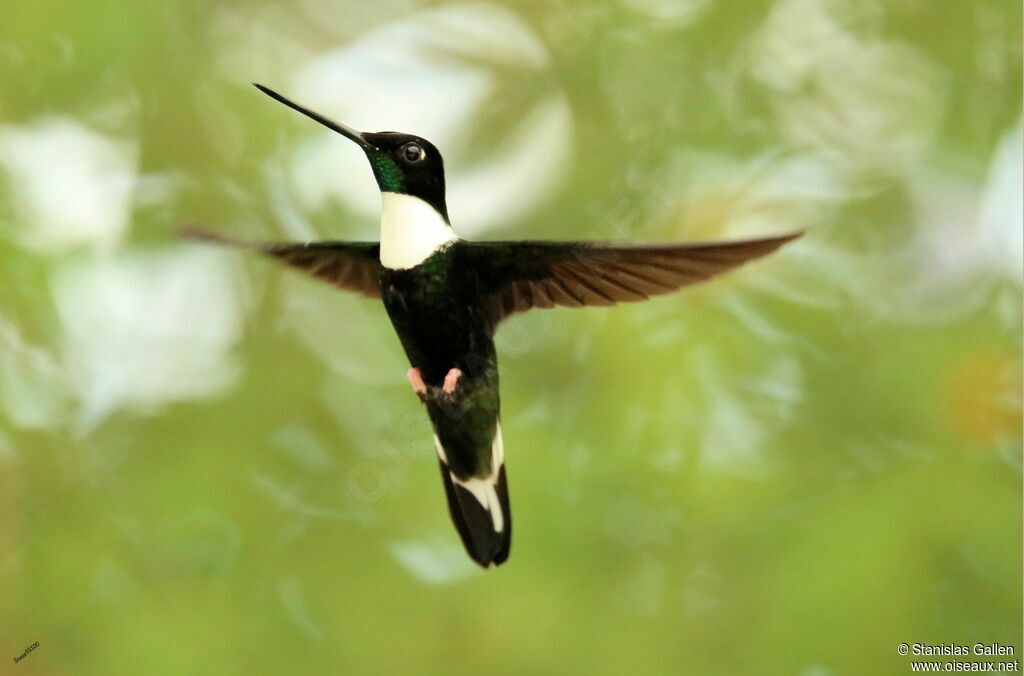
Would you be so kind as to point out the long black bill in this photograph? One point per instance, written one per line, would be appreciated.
(347, 132)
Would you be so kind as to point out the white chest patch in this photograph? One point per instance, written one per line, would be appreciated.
(410, 230)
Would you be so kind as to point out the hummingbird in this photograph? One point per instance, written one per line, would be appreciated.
(445, 297)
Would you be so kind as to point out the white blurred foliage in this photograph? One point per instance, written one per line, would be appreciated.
(290, 497)
(70, 185)
(744, 414)
(263, 42)
(343, 331)
(434, 562)
(643, 591)
(293, 600)
(1001, 220)
(669, 14)
(816, 670)
(303, 447)
(145, 329)
(966, 238)
(942, 272)
(33, 387)
(868, 106)
(700, 594)
(429, 74)
(706, 195)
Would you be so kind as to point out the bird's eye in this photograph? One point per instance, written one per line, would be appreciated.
(414, 153)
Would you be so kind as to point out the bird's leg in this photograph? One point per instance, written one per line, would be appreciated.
(451, 380)
(416, 380)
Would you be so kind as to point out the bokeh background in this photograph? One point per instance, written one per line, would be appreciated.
(209, 464)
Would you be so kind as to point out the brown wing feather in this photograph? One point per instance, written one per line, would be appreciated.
(353, 266)
(575, 274)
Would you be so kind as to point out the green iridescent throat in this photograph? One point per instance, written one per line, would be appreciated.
(389, 175)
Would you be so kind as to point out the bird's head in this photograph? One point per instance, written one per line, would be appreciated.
(402, 163)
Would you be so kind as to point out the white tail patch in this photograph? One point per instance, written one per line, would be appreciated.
(440, 450)
(484, 489)
(410, 231)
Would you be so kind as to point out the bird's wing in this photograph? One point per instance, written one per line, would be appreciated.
(353, 266)
(517, 276)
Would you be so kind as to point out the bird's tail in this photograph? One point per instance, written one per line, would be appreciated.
(479, 506)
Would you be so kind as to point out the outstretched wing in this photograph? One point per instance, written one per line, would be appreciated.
(518, 276)
(353, 266)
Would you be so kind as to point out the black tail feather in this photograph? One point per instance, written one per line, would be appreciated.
(474, 524)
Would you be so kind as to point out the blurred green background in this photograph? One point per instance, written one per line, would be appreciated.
(209, 464)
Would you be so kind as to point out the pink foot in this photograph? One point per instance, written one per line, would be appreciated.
(416, 380)
(451, 380)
